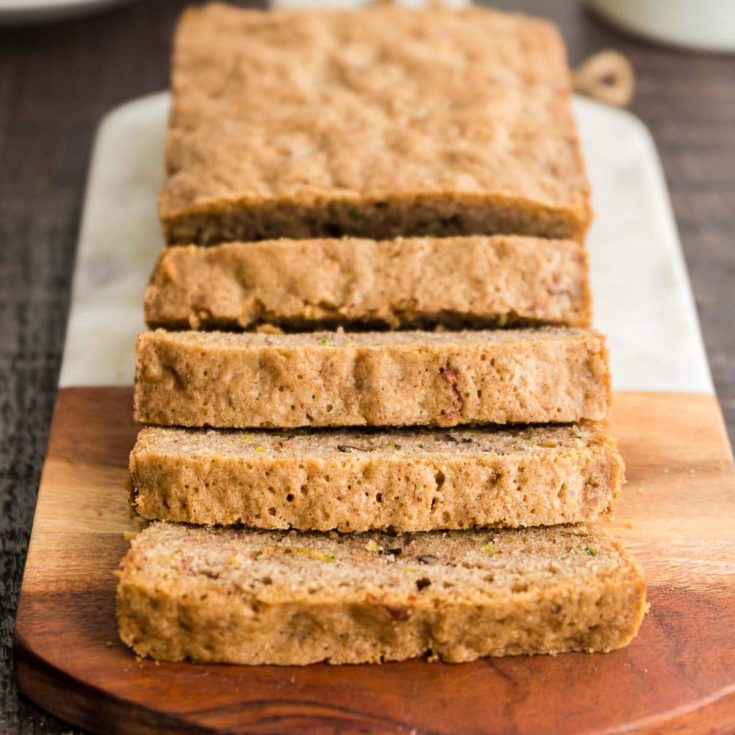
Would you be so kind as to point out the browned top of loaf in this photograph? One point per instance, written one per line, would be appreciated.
(396, 444)
(461, 566)
(408, 340)
(384, 102)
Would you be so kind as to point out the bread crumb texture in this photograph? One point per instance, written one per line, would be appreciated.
(359, 481)
(337, 379)
(259, 597)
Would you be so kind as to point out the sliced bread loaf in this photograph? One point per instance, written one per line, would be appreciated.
(260, 597)
(371, 378)
(302, 284)
(358, 480)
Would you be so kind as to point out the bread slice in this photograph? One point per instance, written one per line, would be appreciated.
(359, 481)
(307, 284)
(379, 122)
(371, 378)
(268, 597)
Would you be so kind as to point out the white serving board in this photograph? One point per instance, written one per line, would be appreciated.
(643, 301)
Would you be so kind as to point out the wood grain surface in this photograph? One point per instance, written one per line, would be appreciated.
(56, 83)
(677, 676)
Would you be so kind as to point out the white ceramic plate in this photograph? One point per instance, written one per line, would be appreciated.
(643, 301)
(699, 25)
(32, 12)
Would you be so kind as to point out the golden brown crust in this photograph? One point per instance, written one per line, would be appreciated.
(371, 378)
(284, 598)
(314, 123)
(358, 481)
(302, 284)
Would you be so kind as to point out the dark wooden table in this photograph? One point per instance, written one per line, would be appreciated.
(56, 82)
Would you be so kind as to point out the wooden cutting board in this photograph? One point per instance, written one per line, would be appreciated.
(677, 516)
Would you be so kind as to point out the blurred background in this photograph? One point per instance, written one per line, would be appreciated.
(57, 80)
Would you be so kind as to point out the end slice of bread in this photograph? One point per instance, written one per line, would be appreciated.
(260, 597)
